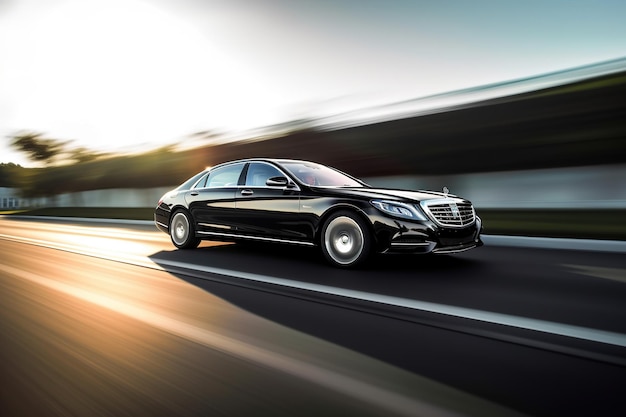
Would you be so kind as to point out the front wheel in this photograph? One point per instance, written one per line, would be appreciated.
(182, 231)
(345, 239)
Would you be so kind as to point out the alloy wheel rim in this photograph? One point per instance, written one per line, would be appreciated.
(344, 240)
(180, 228)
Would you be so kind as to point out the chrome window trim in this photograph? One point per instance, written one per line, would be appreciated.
(256, 187)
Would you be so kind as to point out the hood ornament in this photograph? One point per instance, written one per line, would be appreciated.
(446, 191)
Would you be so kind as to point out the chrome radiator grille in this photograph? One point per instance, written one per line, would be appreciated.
(454, 214)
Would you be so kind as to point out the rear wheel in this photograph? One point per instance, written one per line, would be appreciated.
(346, 240)
(182, 231)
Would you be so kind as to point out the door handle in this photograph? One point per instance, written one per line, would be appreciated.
(247, 192)
(194, 193)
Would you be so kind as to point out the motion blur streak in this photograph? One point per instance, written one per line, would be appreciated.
(228, 345)
(348, 385)
(613, 274)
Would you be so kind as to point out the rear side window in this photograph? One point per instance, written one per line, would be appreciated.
(202, 182)
(226, 176)
(191, 181)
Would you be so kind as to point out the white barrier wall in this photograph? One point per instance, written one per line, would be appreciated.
(9, 199)
(583, 187)
(117, 197)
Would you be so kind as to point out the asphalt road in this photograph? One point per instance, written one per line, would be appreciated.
(100, 319)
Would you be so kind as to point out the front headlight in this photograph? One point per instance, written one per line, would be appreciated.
(397, 209)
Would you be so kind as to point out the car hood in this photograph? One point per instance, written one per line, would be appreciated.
(390, 194)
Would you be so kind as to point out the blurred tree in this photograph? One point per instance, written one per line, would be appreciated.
(15, 176)
(9, 174)
(37, 147)
(82, 154)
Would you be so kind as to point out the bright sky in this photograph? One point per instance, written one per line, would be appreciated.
(118, 74)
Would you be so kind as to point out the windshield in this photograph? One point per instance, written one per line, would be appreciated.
(319, 175)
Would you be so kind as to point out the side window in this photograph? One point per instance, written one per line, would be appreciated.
(259, 173)
(227, 176)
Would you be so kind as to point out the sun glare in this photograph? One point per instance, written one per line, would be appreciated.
(128, 72)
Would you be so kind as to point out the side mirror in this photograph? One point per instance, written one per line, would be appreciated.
(277, 182)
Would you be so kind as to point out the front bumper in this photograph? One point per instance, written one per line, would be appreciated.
(422, 238)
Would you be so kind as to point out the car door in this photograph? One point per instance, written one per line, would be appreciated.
(269, 210)
(212, 200)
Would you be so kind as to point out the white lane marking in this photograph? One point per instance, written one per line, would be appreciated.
(80, 219)
(94, 231)
(82, 250)
(614, 274)
(591, 245)
(562, 329)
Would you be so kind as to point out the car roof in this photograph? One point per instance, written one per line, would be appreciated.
(274, 160)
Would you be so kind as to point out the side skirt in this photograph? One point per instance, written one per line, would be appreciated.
(258, 238)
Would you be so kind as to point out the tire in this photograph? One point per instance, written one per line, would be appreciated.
(182, 232)
(345, 239)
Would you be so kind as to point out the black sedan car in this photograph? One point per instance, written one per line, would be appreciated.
(306, 203)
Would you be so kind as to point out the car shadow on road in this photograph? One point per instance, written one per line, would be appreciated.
(306, 311)
(336, 319)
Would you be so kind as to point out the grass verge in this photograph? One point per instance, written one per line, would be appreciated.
(568, 223)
